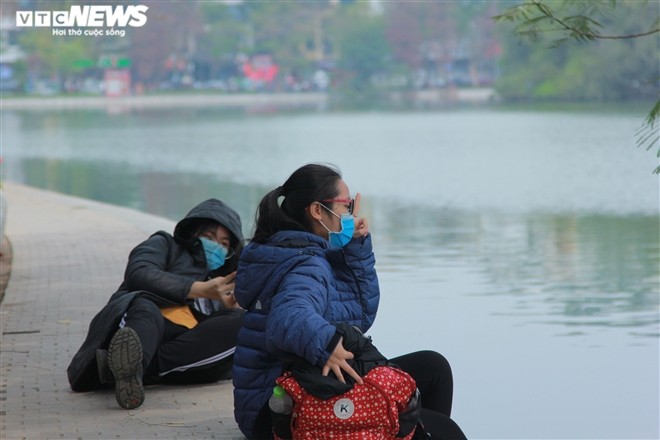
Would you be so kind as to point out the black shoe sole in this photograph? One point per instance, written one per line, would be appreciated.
(125, 362)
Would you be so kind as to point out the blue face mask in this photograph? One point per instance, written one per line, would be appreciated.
(341, 238)
(215, 253)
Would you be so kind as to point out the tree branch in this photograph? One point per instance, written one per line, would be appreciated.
(589, 35)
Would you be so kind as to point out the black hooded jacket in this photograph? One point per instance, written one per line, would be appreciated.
(161, 269)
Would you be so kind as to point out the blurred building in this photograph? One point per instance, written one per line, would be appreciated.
(10, 51)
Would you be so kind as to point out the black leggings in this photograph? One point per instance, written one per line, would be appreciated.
(435, 382)
(175, 354)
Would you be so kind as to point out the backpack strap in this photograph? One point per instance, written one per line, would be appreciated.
(291, 386)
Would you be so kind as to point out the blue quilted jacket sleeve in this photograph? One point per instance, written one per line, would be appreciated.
(360, 258)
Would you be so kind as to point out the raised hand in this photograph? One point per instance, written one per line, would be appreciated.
(361, 224)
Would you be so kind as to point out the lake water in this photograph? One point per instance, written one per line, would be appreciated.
(523, 245)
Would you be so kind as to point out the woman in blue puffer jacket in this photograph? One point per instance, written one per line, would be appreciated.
(309, 266)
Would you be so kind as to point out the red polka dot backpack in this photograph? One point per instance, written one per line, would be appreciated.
(385, 407)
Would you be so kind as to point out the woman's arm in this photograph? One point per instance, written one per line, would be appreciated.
(296, 325)
(359, 256)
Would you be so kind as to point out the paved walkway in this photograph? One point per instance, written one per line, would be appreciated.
(68, 257)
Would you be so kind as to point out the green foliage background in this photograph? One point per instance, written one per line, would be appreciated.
(539, 68)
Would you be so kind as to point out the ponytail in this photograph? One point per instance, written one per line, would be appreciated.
(306, 185)
(271, 218)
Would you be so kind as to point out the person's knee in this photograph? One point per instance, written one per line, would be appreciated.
(434, 360)
(227, 323)
(233, 315)
(143, 305)
(144, 311)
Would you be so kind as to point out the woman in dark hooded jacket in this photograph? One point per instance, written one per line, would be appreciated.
(309, 269)
(174, 318)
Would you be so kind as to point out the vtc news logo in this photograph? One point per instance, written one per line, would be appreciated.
(85, 16)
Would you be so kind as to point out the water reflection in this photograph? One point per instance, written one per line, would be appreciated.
(568, 270)
(169, 195)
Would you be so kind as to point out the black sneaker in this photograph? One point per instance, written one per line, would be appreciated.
(125, 362)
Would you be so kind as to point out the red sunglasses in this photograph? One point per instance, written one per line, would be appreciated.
(351, 203)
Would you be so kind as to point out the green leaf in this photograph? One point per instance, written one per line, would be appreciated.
(653, 114)
(648, 134)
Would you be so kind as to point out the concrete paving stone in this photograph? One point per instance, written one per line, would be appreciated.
(68, 257)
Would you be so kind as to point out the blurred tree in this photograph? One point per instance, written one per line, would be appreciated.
(289, 31)
(362, 53)
(481, 35)
(631, 34)
(163, 49)
(55, 57)
(423, 35)
(443, 42)
(226, 30)
(226, 34)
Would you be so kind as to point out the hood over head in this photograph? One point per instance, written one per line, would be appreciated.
(211, 209)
